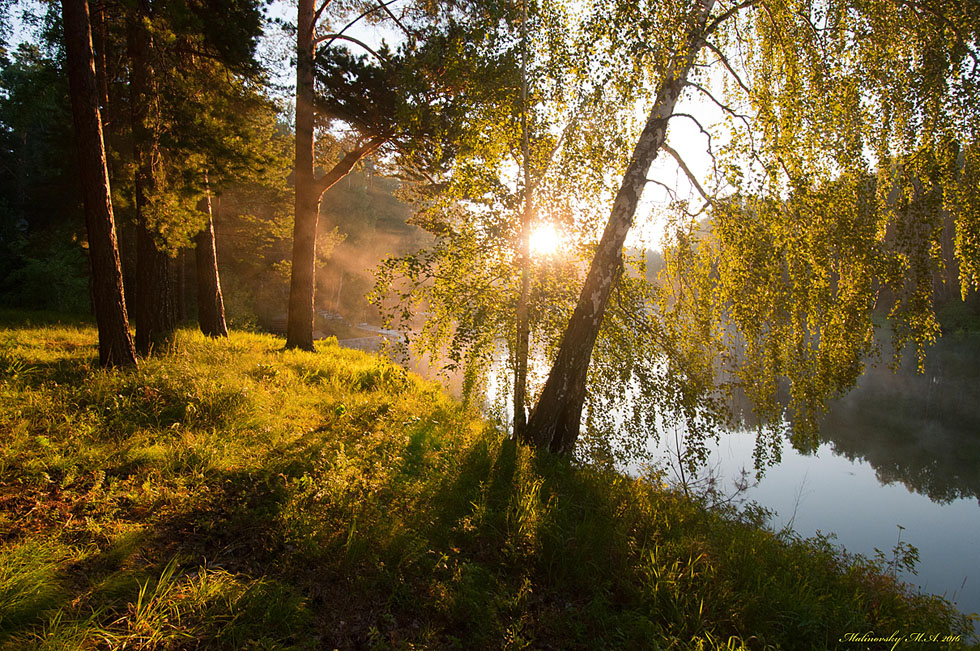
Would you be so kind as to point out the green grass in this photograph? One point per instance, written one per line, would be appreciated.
(232, 495)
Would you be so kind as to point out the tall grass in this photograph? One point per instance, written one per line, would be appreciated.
(234, 495)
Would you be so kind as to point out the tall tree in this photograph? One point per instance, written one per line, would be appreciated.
(537, 153)
(156, 298)
(224, 135)
(309, 187)
(115, 344)
(555, 420)
(523, 334)
(408, 101)
(299, 325)
(182, 54)
(823, 84)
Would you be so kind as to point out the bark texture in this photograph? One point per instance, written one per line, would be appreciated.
(99, 43)
(156, 300)
(555, 421)
(299, 326)
(210, 303)
(115, 342)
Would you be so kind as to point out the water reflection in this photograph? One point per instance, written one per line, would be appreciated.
(922, 430)
(902, 449)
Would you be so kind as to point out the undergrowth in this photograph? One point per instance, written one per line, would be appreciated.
(233, 495)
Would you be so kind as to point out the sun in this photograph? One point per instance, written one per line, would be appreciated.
(545, 240)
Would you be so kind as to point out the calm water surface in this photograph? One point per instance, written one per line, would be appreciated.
(900, 450)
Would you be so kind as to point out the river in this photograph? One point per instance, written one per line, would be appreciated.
(899, 459)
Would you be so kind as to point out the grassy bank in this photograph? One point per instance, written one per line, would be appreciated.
(232, 495)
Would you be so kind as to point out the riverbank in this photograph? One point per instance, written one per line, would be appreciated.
(234, 495)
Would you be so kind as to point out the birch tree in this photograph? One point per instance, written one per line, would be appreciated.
(852, 125)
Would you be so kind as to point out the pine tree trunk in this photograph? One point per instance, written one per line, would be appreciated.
(555, 420)
(299, 327)
(156, 303)
(180, 277)
(210, 303)
(115, 342)
(309, 189)
(98, 41)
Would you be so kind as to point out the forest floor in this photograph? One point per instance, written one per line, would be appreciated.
(232, 495)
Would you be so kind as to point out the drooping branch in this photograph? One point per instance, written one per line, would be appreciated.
(722, 17)
(775, 26)
(677, 200)
(745, 119)
(576, 115)
(728, 66)
(707, 134)
(555, 421)
(669, 190)
(724, 107)
(921, 6)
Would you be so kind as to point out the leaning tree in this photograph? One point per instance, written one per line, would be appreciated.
(850, 126)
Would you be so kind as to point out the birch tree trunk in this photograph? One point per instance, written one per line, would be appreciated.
(115, 342)
(555, 420)
(523, 324)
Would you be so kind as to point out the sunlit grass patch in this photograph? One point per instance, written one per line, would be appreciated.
(232, 494)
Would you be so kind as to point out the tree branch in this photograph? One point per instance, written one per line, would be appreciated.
(564, 134)
(318, 13)
(384, 6)
(727, 109)
(690, 175)
(724, 107)
(728, 66)
(342, 37)
(363, 14)
(920, 6)
(726, 15)
(775, 26)
(682, 203)
(707, 134)
(346, 164)
(671, 191)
